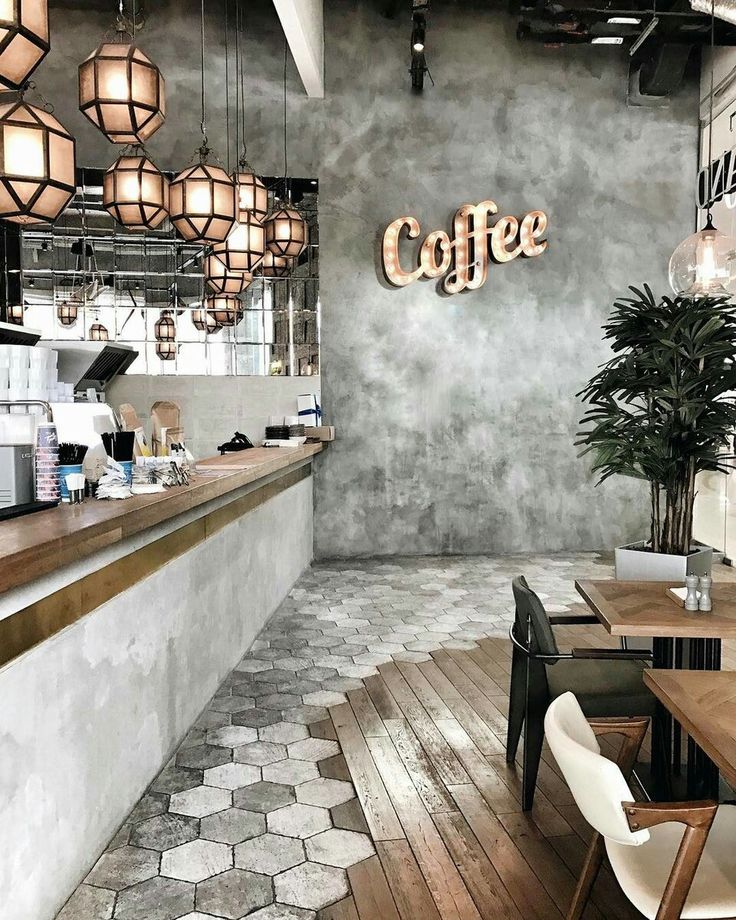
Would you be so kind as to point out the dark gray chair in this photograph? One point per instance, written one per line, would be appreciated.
(607, 682)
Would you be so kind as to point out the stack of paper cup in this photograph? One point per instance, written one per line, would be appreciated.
(47, 463)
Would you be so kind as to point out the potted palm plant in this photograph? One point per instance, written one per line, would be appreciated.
(662, 409)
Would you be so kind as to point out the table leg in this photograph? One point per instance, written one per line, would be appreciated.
(702, 774)
(662, 653)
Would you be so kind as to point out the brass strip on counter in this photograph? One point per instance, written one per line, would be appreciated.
(41, 620)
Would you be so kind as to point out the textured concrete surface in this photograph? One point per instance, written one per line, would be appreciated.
(456, 416)
(89, 717)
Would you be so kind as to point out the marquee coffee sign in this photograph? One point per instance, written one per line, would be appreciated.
(718, 181)
(464, 259)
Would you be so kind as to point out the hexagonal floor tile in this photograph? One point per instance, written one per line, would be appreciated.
(231, 704)
(305, 715)
(232, 776)
(260, 753)
(253, 666)
(298, 821)
(339, 848)
(232, 826)
(202, 756)
(269, 854)
(279, 701)
(325, 792)
(282, 912)
(256, 718)
(311, 886)
(90, 902)
(324, 698)
(313, 749)
(234, 894)
(165, 831)
(192, 862)
(290, 772)
(232, 735)
(156, 899)
(283, 732)
(123, 867)
(200, 801)
(264, 797)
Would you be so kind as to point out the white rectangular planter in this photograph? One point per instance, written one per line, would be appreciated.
(633, 563)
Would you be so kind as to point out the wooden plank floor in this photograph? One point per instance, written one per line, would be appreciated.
(424, 745)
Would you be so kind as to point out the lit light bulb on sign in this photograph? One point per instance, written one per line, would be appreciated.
(463, 260)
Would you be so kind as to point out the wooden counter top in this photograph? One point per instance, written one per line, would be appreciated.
(40, 543)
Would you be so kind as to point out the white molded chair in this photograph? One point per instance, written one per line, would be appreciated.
(672, 860)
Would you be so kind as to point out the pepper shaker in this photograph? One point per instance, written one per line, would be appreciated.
(691, 601)
(704, 584)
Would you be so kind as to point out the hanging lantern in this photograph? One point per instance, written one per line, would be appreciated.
(704, 264)
(205, 321)
(136, 192)
(222, 281)
(275, 266)
(202, 202)
(98, 333)
(37, 164)
(67, 313)
(166, 350)
(122, 92)
(286, 233)
(165, 328)
(243, 250)
(24, 39)
(14, 313)
(224, 309)
(252, 193)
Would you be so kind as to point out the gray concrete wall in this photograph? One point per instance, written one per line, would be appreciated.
(89, 717)
(456, 416)
(213, 408)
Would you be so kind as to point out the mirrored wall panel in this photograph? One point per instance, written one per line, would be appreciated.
(87, 277)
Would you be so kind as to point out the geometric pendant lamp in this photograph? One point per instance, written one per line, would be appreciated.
(37, 164)
(202, 202)
(122, 92)
(252, 193)
(24, 39)
(135, 192)
(222, 281)
(243, 249)
(286, 233)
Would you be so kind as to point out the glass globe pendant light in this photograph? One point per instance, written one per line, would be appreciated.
(24, 39)
(202, 199)
(135, 192)
(37, 163)
(222, 281)
(121, 91)
(704, 264)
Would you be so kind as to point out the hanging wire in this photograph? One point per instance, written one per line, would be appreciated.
(242, 80)
(237, 80)
(227, 86)
(286, 159)
(710, 117)
(203, 124)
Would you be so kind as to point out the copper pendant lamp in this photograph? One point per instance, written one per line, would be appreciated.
(202, 199)
(135, 192)
(122, 91)
(221, 280)
(24, 39)
(37, 164)
(224, 309)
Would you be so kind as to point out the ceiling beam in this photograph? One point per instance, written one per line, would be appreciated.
(303, 26)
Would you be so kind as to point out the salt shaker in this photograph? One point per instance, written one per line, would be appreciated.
(691, 601)
(704, 602)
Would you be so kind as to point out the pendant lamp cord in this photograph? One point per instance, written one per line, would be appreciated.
(242, 81)
(710, 117)
(203, 124)
(237, 79)
(286, 159)
(227, 86)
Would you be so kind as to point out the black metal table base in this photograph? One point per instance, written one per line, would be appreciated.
(702, 774)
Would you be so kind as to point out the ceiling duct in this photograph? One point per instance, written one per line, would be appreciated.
(660, 73)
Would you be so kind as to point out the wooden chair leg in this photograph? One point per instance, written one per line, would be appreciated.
(533, 740)
(588, 875)
(517, 704)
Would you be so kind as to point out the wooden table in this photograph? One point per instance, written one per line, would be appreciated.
(704, 703)
(643, 609)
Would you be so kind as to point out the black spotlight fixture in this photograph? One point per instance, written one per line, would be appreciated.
(418, 35)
